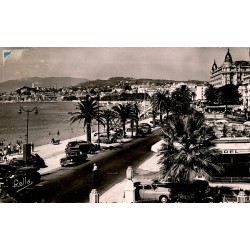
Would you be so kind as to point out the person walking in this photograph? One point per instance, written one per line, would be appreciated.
(32, 146)
(95, 175)
(1, 155)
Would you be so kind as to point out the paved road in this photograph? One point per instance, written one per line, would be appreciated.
(74, 184)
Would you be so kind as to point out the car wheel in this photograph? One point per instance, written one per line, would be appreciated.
(164, 199)
(37, 177)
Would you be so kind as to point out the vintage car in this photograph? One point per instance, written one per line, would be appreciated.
(145, 127)
(148, 191)
(83, 146)
(104, 138)
(16, 178)
(35, 161)
(73, 158)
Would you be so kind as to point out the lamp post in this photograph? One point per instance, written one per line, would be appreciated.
(27, 147)
(21, 109)
(246, 104)
(98, 122)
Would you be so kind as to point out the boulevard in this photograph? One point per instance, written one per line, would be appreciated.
(72, 185)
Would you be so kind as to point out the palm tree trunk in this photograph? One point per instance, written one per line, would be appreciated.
(88, 132)
(108, 129)
(123, 128)
(132, 127)
(154, 116)
(136, 126)
(160, 116)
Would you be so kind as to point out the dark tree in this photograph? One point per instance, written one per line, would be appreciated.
(124, 112)
(188, 150)
(181, 100)
(211, 94)
(228, 94)
(87, 112)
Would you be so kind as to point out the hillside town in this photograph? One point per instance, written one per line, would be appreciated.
(120, 86)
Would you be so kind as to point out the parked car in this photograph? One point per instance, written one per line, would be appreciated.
(104, 138)
(83, 146)
(117, 131)
(148, 191)
(16, 178)
(157, 122)
(73, 158)
(145, 127)
(35, 161)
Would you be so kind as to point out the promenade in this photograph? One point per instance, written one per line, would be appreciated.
(147, 170)
(53, 153)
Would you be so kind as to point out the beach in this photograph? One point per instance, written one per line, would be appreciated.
(52, 121)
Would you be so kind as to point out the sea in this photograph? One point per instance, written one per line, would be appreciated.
(52, 121)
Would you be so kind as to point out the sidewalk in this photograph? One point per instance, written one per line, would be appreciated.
(53, 153)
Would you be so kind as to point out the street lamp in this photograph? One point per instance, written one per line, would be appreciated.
(21, 109)
(98, 122)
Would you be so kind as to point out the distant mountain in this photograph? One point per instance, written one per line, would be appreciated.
(128, 80)
(12, 85)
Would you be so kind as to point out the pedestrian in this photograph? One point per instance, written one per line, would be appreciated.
(18, 148)
(32, 146)
(1, 155)
(5, 151)
(95, 175)
(9, 149)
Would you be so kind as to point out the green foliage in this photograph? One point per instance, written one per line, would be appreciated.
(87, 112)
(124, 112)
(228, 94)
(126, 97)
(199, 193)
(106, 118)
(181, 100)
(162, 102)
(188, 150)
(211, 94)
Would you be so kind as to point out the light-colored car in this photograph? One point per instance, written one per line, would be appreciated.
(103, 137)
(149, 191)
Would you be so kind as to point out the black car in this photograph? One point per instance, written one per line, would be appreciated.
(35, 161)
(16, 178)
(145, 127)
(73, 158)
(83, 146)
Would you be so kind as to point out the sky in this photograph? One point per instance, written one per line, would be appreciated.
(172, 63)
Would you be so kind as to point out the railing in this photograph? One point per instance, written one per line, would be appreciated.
(235, 199)
(230, 179)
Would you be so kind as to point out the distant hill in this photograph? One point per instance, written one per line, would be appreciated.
(12, 85)
(116, 80)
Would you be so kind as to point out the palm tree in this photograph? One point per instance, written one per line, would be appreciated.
(188, 150)
(135, 117)
(107, 115)
(123, 111)
(87, 112)
(162, 102)
(181, 99)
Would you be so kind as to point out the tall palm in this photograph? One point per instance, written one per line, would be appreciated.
(161, 101)
(123, 111)
(187, 150)
(107, 115)
(87, 112)
(135, 116)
